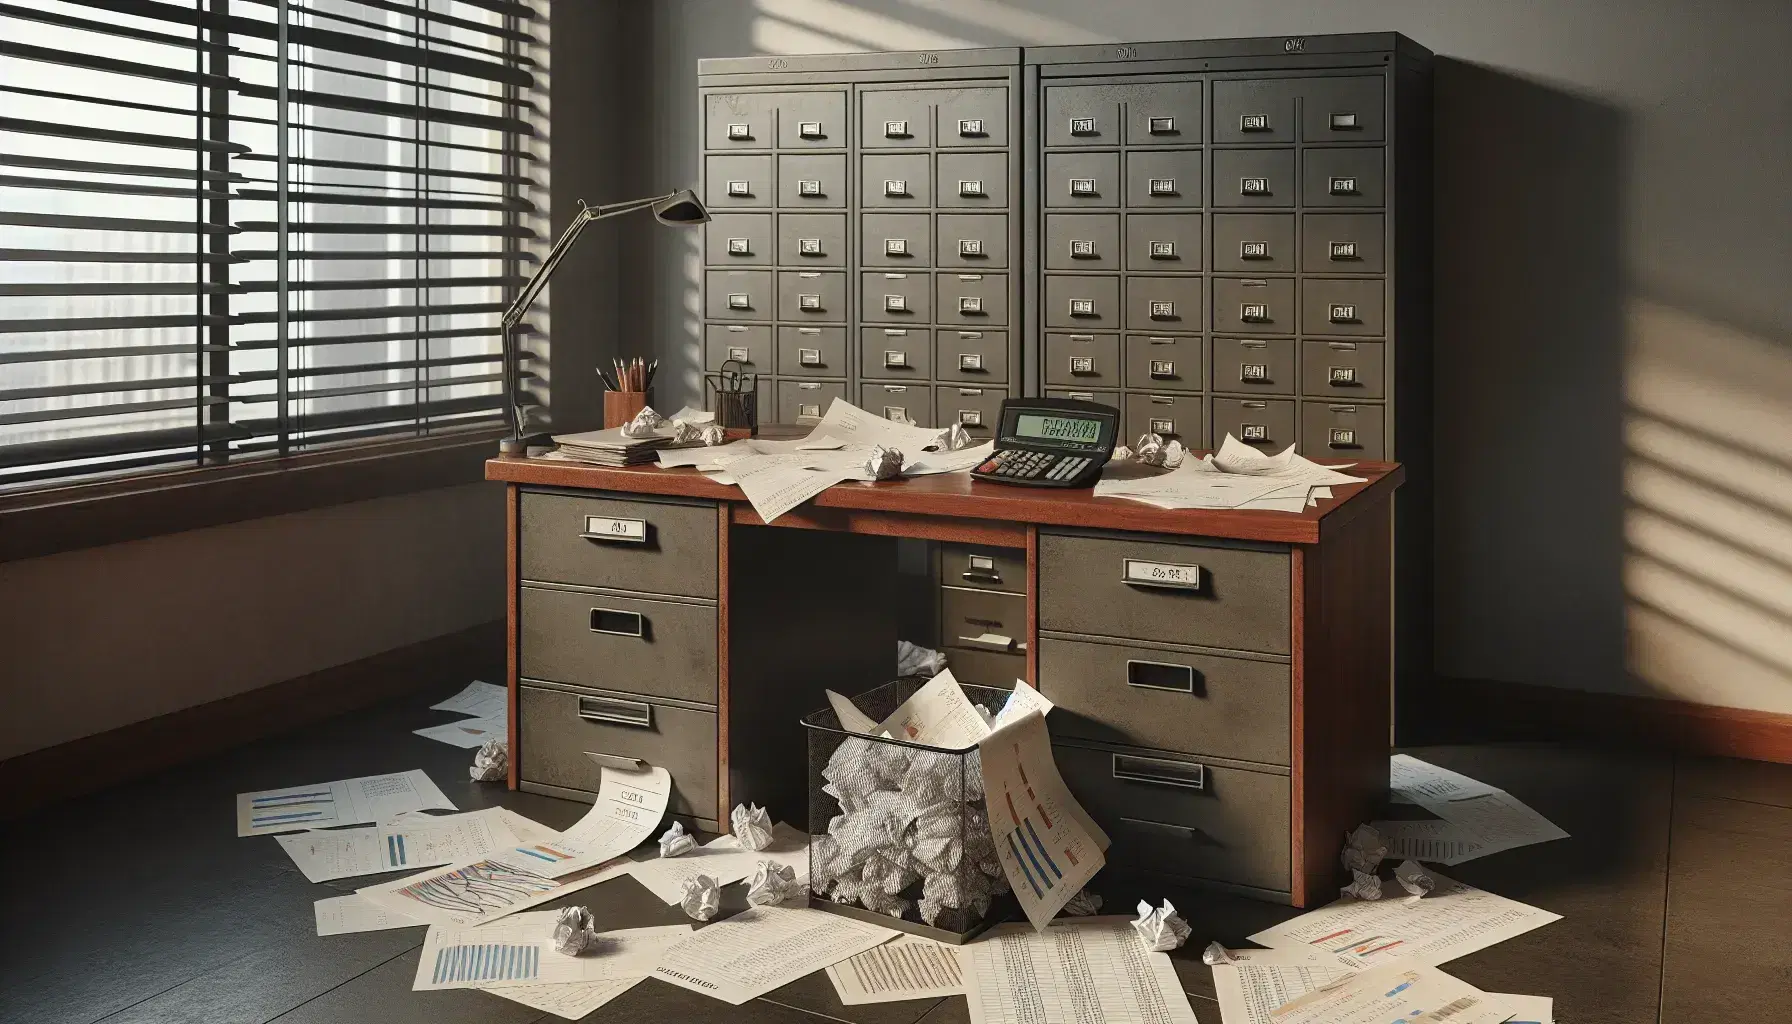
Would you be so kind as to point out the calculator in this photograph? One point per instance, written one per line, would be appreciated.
(1051, 442)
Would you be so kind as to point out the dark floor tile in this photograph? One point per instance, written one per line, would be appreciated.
(949, 1011)
(815, 993)
(657, 1002)
(384, 995)
(1755, 781)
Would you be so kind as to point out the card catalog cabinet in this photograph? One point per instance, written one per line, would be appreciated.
(866, 218)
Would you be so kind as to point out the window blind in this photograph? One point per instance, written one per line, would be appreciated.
(238, 227)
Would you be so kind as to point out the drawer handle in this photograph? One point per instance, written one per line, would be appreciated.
(1170, 575)
(1157, 772)
(1158, 675)
(1187, 830)
(618, 623)
(625, 531)
(617, 712)
(974, 576)
(627, 764)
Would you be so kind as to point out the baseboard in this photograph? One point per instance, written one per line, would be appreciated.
(94, 762)
(1454, 710)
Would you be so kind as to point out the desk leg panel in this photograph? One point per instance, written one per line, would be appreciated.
(513, 497)
(723, 791)
(1032, 637)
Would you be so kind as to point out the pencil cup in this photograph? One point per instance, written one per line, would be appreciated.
(622, 406)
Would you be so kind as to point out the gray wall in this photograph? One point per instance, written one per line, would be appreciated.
(1614, 322)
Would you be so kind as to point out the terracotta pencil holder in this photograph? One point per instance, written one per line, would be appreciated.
(622, 406)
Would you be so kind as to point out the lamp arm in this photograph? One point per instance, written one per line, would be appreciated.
(562, 245)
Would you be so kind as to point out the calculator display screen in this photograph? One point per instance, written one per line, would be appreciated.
(1057, 428)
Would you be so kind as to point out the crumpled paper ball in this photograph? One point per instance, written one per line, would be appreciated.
(491, 763)
(676, 842)
(956, 438)
(1162, 929)
(685, 432)
(1216, 954)
(1083, 904)
(915, 660)
(883, 463)
(752, 826)
(1121, 454)
(575, 931)
(646, 423)
(701, 899)
(1364, 885)
(712, 434)
(1414, 879)
(773, 884)
(970, 890)
(1153, 450)
(1364, 849)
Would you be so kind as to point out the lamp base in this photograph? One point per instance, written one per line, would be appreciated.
(518, 445)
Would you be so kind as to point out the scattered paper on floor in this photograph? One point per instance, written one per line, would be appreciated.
(764, 948)
(1433, 840)
(907, 967)
(1483, 819)
(519, 951)
(1258, 981)
(1048, 845)
(1090, 970)
(346, 802)
(468, 732)
(1529, 1009)
(1398, 991)
(416, 841)
(480, 891)
(722, 859)
(342, 915)
(627, 810)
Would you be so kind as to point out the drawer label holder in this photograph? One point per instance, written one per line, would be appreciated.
(1171, 575)
(629, 531)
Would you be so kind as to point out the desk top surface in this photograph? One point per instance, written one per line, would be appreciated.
(959, 495)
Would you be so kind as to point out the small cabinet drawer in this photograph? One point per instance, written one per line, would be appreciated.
(1163, 303)
(1342, 307)
(895, 353)
(739, 239)
(1111, 399)
(1341, 177)
(1342, 370)
(1167, 699)
(1082, 115)
(896, 240)
(971, 117)
(1210, 595)
(751, 346)
(889, 180)
(1254, 110)
(965, 614)
(811, 295)
(1082, 241)
(894, 298)
(658, 648)
(1342, 430)
(1164, 114)
(812, 239)
(560, 728)
(731, 182)
(647, 546)
(1266, 424)
(1254, 177)
(1259, 243)
(738, 294)
(978, 567)
(971, 300)
(973, 357)
(1164, 362)
(894, 119)
(1163, 242)
(1163, 178)
(972, 180)
(1175, 815)
(1081, 180)
(1169, 416)
(973, 241)
(1341, 109)
(812, 182)
(805, 401)
(743, 120)
(1342, 243)
(1253, 305)
(898, 403)
(812, 120)
(1083, 360)
(977, 410)
(1082, 301)
(1259, 365)
(985, 668)
(811, 351)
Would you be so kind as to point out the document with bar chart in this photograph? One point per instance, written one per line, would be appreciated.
(1048, 845)
(418, 842)
(519, 952)
(347, 802)
(628, 809)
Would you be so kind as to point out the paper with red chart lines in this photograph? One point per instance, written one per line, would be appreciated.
(1048, 845)
(628, 809)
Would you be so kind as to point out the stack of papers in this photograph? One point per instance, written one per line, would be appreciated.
(1237, 476)
(489, 706)
(1473, 818)
(611, 447)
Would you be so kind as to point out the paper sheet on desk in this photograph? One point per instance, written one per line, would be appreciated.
(847, 422)
(1397, 991)
(1091, 970)
(418, 841)
(764, 948)
(519, 951)
(478, 699)
(628, 809)
(1048, 845)
(468, 732)
(724, 860)
(346, 802)
(1258, 981)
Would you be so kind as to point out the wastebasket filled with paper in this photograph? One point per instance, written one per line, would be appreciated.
(932, 805)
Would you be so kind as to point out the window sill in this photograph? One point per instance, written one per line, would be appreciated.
(69, 517)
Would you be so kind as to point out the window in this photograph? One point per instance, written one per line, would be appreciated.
(156, 309)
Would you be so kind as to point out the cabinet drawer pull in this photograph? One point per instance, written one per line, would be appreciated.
(1173, 575)
(618, 623)
(1159, 675)
(971, 576)
(1186, 830)
(627, 764)
(1158, 772)
(604, 528)
(617, 712)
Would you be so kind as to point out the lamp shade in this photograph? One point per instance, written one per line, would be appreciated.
(681, 208)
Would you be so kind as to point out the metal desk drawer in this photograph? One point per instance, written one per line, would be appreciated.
(977, 567)
(1240, 600)
(678, 555)
(1234, 828)
(1167, 700)
(559, 727)
(657, 648)
(985, 668)
(968, 613)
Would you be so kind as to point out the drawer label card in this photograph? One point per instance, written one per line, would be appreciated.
(1082, 307)
(970, 304)
(970, 188)
(970, 417)
(809, 129)
(1343, 314)
(1253, 250)
(808, 412)
(896, 414)
(971, 127)
(1163, 310)
(1253, 373)
(895, 303)
(895, 247)
(970, 360)
(1183, 576)
(606, 528)
(1163, 427)
(1254, 431)
(738, 300)
(1082, 186)
(739, 247)
(739, 188)
(1343, 122)
(738, 353)
(1253, 122)
(1342, 437)
(970, 247)
(808, 356)
(1082, 364)
(1163, 250)
(895, 187)
(1163, 369)
(896, 129)
(1343, 250)
(1162, 186)
(1340, 376)
(809, 246)
(1082, 248)
(1254, 312)
(809, 302)
(1253, 186)
(807, 187)
(1344, 187)
(1082, 126)
(1162, 126)
(739, 131)
(895, 358)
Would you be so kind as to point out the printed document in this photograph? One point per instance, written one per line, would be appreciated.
(849, 716)
(1419, 780)
(475, 892)
(468, 732)
(1528, 1009)
(1397, 991)
(1022, 700)
(1259, 981)
(341, 915)
(1433, 840)
(519, 951)
(628, 809)
(480, 700)
(416, 841)
(775, 484)
(724, 860)
(763, 948)
(1091, 970)
(1048, 845)
(908, 967)
(348, 802)
(1455, 920)
(847, 422)
(937, 715)
(1487, 819)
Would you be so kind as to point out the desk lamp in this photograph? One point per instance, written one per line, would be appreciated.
(681, 208)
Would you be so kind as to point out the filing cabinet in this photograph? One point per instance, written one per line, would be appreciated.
(983, 589)
(1167, 415)
(812, 351)
(806, 401)
(1164, 362)
(1159, 243)
(896, 353)
(812, 239)
(901, 403)
(1263, 423)
(809, 296)
(971, 300)
(973, 241)
(751, 346)
(972, 357)
(740, 240)
(1083, 360)
(1255, 365)
(978, 410)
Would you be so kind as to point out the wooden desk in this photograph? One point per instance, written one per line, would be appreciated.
(717, 632)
